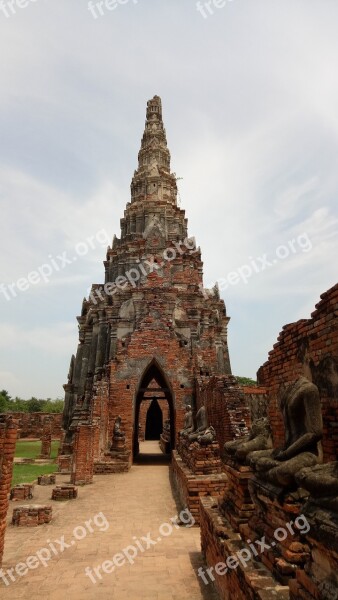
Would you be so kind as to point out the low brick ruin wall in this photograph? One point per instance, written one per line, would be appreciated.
(8, 434)
(31, 515)
(234, 578)
(22, 491)
(31, 424)
(64, 492)
(191, 487)
(310, 344)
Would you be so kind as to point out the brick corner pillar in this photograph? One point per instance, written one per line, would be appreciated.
(83, 456)
(46, 438)
(8, 435)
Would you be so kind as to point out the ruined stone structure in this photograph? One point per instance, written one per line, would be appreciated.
(151, 329)
(8, 435)
(286, 495)
(31, 424)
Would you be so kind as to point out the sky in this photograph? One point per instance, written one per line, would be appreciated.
(250, 105)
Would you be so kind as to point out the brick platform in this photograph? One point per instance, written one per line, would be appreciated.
(112, 463)
(319, 579)
(46, 480)
(191, 487)
(219, 543)
(8, 434)
(64, 492)
(22, 491)
(201, 460)
(236, 504)
(270, 514)
(31, 515)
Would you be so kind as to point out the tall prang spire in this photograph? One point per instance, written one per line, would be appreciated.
(153, 178)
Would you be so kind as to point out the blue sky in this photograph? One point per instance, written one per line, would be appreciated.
(250, 103)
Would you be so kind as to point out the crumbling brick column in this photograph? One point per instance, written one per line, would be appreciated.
(46, 438)
(8, 435)
(83, 457)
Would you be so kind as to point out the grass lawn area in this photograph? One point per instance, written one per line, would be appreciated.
(28, 473)
(29, 449)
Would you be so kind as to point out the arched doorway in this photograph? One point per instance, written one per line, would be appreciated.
(154, 421)
(154, 386)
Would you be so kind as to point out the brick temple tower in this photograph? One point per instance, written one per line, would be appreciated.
(151, 329)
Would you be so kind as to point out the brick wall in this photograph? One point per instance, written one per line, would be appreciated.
(31, 424)
(308, 347)
(226, 405)
(8, 435)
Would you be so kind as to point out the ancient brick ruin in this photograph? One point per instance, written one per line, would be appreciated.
(8, 435)
(281, 473)
(150, 331)
(31, 424)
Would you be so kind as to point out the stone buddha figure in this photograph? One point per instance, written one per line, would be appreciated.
(322, 483)
(207, 437)
(259, 438)
(201, 425)
(188, 425)
(300, 405)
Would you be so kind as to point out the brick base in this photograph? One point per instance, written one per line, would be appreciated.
(236, 504)
(64, 492)
(190, 486)
(31, 516)
(46, 480)
(272, 513)
(220, 541)
(23, 491)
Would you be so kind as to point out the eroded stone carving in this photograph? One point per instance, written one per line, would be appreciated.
(188, 425)
(259, 438)
(300, 405)
(201, 425)
(322, 483)
(207, 437)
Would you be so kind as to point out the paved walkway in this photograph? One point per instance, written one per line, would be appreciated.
(125, 509)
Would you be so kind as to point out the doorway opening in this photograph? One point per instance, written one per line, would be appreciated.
(154, 405)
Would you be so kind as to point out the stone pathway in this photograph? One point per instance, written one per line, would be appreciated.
(134, 505)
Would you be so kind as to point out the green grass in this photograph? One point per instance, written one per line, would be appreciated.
(28, 473)
(29, 449)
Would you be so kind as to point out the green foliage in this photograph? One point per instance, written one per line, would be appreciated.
(246, 381)
(8, 404)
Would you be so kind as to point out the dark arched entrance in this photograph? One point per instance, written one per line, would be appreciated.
(154, 421)
(154, 385)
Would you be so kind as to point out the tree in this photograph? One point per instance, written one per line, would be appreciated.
(246, 381)
(35, 405)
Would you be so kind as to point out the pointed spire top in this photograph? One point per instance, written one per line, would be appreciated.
(153, 178)
(154, 106)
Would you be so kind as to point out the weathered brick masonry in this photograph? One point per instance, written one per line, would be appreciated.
(303, 565)
(308, 346)
(8, 435)
(151, 328)
(31, 424)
